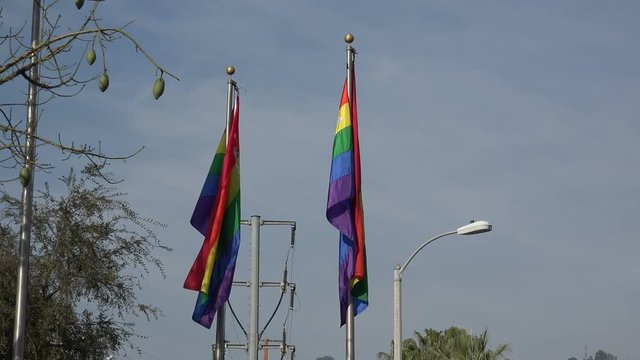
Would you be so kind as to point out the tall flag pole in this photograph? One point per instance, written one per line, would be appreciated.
(26, 217)
(344, 207)
(217, 217)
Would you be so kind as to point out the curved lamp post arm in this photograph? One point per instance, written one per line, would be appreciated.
(397, 296)
(422, 246)
(475, 227)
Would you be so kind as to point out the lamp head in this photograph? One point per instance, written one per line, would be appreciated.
(475, 227)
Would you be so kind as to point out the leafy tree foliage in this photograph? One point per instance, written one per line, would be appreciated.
(451, 344)
(90, 254)
(602, 355)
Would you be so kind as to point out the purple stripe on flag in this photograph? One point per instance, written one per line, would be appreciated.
(339, 216)
(200, 219)
(345, 272)
(340, 190)
(340, 207)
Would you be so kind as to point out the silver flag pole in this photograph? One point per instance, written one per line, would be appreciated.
(350, 323)
(220, 314)
(27, 192)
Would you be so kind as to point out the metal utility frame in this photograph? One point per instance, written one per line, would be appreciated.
(253, 336)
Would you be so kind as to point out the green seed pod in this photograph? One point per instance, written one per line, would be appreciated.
(91, 56)
(25, 176)
(79, 4)
(103, 82)
(158, 88)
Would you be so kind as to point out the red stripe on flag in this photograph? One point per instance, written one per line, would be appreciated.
(361, 268)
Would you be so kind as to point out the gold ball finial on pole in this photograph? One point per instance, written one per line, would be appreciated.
(231, 70)
(348, 38)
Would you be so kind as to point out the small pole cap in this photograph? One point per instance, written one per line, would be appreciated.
(349, 38)
(231, 70)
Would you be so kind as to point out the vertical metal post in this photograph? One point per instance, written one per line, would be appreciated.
(27, 193)
(266, 350)
(230, 87)
(220, 338)
(255, 287)
(220, 315)
(397, 313)
(350, 323)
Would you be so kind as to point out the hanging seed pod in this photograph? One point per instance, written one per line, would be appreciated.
(158, 88)
(25, 176)
(90, 56)
(79, 4)
(103, 82)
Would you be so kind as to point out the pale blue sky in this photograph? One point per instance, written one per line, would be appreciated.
(520, 113)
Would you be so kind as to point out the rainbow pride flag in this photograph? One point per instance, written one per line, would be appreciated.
(344, 208)
(217, 217)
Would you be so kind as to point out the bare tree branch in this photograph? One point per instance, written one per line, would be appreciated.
(57, 56)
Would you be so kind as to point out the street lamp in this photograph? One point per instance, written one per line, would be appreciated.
(475, 227)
